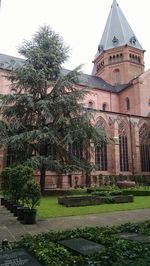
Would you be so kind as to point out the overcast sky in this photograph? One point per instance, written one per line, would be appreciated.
(79, 22)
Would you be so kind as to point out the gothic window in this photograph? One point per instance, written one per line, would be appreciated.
(117, 77)
(101, 157)
(144, 135)
(76, 150)
(123, 148)
(127, 104)
(101, 150)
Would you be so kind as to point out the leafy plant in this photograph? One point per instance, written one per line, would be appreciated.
(14, 179)
(31, 194)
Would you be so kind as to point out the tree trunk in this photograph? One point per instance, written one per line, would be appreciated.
(88, 179)
(42, 179)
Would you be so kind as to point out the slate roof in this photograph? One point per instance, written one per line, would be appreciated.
(8, 62)
(117, 31)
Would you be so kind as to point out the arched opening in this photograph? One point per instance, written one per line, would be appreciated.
(101, 150)
(123, 148)
(144, 135)
(105, 107)
(127, 104)
(90, 104)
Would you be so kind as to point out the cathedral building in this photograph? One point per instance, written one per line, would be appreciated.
(120, 97)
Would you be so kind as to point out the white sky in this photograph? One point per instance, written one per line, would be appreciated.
(79, 22)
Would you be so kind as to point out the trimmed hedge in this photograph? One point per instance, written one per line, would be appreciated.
(72, 201)
(107, 193)
(136, 192)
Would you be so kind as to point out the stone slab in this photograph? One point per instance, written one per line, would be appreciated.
(135, 237)
(82, 246)
(17, 257)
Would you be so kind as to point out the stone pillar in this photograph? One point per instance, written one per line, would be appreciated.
(137, 157)
(116, 161)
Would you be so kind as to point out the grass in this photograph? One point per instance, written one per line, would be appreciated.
(50, 208)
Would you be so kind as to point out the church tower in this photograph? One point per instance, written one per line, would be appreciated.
(119, 57)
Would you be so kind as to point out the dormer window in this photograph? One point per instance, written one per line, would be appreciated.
(133, 40)
(100, 48)
(115, 41)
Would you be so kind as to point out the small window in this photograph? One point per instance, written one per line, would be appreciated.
(104, 107)
(13, 91)
(90, 104)
(127, 103)
(149, 102)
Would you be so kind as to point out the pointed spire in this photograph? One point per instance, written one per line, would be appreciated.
(117, 31)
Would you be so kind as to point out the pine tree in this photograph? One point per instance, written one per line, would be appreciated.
(45, 123)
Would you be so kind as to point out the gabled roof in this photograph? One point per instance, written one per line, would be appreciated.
(8, 62)
(117, 31)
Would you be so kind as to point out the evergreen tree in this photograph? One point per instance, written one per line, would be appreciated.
(45, 123)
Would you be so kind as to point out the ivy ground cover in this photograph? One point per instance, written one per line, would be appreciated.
(117, 251)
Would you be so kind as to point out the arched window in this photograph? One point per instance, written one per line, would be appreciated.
(13, 91)
(105, 107)
(117, 77)
(149, 102)
(76, 150)
(90, 104)
(123, 148)
(127, 104)
(101, 150)
(144, 135)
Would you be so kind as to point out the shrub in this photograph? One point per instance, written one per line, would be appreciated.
(31, 194)
(136, 192)
(14, 179)
(107, 193)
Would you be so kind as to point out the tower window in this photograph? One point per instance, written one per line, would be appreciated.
(90, 104)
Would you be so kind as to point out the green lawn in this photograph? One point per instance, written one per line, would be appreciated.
(50, 208)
